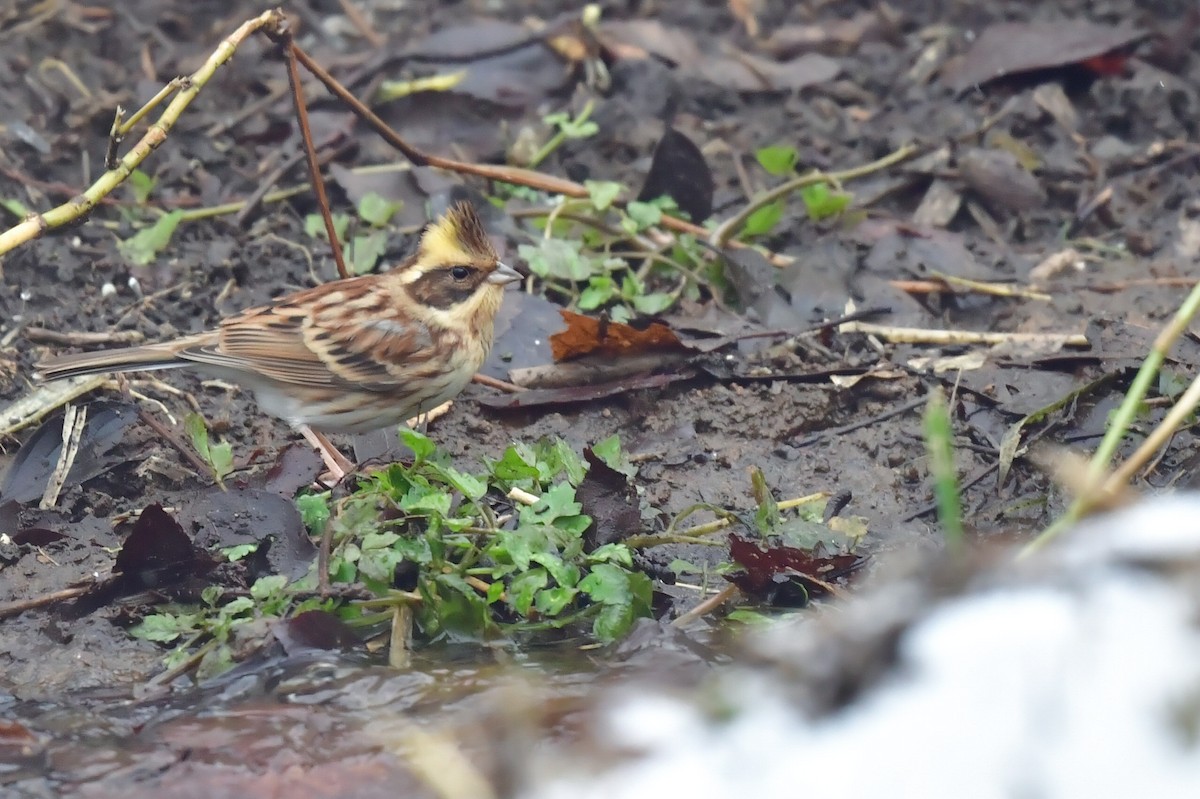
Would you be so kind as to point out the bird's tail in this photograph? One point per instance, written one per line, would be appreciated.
(129, 359)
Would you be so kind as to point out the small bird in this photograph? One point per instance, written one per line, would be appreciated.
(352, 355)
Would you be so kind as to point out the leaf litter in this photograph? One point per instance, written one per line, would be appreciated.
(992, 215)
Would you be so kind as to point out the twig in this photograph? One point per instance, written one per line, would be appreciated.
(43, 335)
(283, 35)
(21, 605)
(707, 606)
(74, 420)
(38, 224)
(502, 385)
(529, 177)
(187, 452)
(917, 335)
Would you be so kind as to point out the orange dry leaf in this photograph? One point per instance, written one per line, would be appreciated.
(587, 336)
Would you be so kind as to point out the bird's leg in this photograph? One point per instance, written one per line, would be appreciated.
(337, 463)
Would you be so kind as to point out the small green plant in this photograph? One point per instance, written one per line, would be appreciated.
(939, 444)
(366, 246)
(216, 623)
(218, 455)
(450, 544)
(566, 127)
(581, 259)
(821, 200)
(475, 575)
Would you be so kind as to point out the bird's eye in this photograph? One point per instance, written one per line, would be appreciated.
(460, 272)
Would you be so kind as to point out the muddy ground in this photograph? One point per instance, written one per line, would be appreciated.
(697, 438)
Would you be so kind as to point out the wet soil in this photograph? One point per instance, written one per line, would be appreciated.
(696, 439)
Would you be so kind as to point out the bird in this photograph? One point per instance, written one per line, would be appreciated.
(351, 355)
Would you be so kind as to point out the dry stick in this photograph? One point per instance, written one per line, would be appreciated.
(44, 335)
(540, 180)
(21, 605)
(288, 45)
(707, 606)
(187, 452)
(38, 224)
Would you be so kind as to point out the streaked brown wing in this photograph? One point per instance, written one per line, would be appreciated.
(342, 333)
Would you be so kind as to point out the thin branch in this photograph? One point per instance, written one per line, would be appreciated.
(286, 42)
(38, 224)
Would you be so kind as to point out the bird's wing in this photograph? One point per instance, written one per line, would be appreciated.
(346, 333)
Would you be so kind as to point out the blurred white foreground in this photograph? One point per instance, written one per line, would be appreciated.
(1075, 675)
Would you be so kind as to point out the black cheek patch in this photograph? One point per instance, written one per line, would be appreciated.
(438, 288)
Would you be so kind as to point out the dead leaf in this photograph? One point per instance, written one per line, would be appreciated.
(998, 177)
(643, 38)
(1011, 48)
(678, 170)
(587, 336)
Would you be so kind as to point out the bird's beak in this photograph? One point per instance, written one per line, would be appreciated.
(504, 274)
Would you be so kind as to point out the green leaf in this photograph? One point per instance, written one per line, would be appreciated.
(237, 606)
(314, 226)
(612, 622)
(142, 184)
(746, 616)
(767, 516)
(238, 551)
(220, 457)
(514, 466)
(268, 587)
(778, 159)
(612, 553)
(565, 574)
(551, 601)
(426, 501)
(607, 584)
(600, 289)
(644, 215)
(563, 259)
(197, 432)
(764, 219)
(602, 193)
(610, 451)
(524, 587)
(459, 608)
(314, 510)
(680, 566)
(821, 202)
(565, 461)
(515, 546)
(366, 250)
(653, 303)
(164, 627)
(421, 445)
(470, 486)
(377, 211)
(145, 245)
(558, 501)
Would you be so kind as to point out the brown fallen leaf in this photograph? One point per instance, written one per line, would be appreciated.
(587, 336)
(1011, 48)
